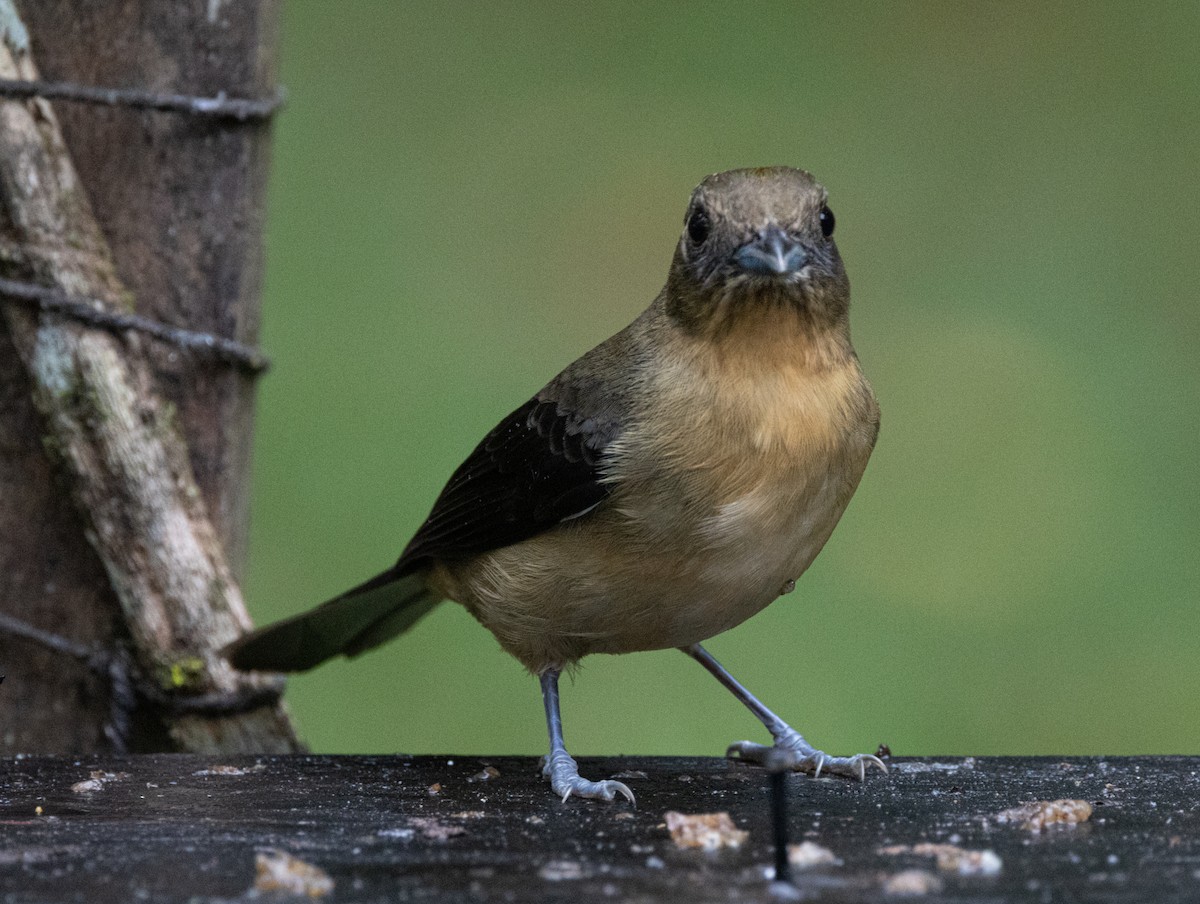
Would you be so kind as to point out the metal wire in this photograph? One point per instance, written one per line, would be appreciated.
(219, 107)
(93, 313)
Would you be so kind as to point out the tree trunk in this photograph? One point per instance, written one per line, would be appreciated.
(178, 201)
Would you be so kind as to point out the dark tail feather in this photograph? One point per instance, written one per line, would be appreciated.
(349, 624)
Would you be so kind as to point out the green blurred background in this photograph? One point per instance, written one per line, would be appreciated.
(467, 196)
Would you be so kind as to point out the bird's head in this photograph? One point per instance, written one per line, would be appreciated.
(756, 239)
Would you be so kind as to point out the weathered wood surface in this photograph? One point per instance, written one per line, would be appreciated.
(120, 452)
(175, 828)
(179, 200)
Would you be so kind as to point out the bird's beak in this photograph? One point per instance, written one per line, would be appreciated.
(772, 252)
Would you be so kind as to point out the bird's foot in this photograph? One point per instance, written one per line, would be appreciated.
(792, 752)
(562, 770)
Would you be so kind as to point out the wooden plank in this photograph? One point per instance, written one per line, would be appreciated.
(181, 828)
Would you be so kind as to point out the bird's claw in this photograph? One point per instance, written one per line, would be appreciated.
(563, 772)
(603, 790)
(806, 759)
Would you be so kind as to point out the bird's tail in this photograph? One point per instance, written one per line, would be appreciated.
(352, 623)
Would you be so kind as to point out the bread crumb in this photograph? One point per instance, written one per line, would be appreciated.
(99, 778)
(279, 871)
(1038, 814)
(708, 831)
(808, 854)
(912, 882)
(951, 858)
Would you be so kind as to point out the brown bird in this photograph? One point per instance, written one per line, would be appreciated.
(663, 488)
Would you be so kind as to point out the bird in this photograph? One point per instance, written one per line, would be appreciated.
(663, 488)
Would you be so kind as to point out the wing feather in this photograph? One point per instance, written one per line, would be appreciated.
(538, 467)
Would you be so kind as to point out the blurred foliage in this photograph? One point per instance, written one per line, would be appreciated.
(467, 196)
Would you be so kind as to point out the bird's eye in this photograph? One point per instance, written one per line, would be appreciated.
(698, 226)
(827, 222)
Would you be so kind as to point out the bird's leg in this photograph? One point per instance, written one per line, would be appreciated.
(802, 755)
(560, 767)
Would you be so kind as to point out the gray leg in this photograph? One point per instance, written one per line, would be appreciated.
(560, 767)
(802, 756)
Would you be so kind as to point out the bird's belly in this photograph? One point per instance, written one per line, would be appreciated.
(740, 560)
(572, 592)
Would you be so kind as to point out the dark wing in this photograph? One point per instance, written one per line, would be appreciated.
(540, 466)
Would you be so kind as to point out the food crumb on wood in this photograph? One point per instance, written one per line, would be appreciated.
(1038, 814)
(279, 871)
(434, 828)
(808, 854)
(97, 780)
(912, 882)
(708, 831)
(951, 858)
(231, 770)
